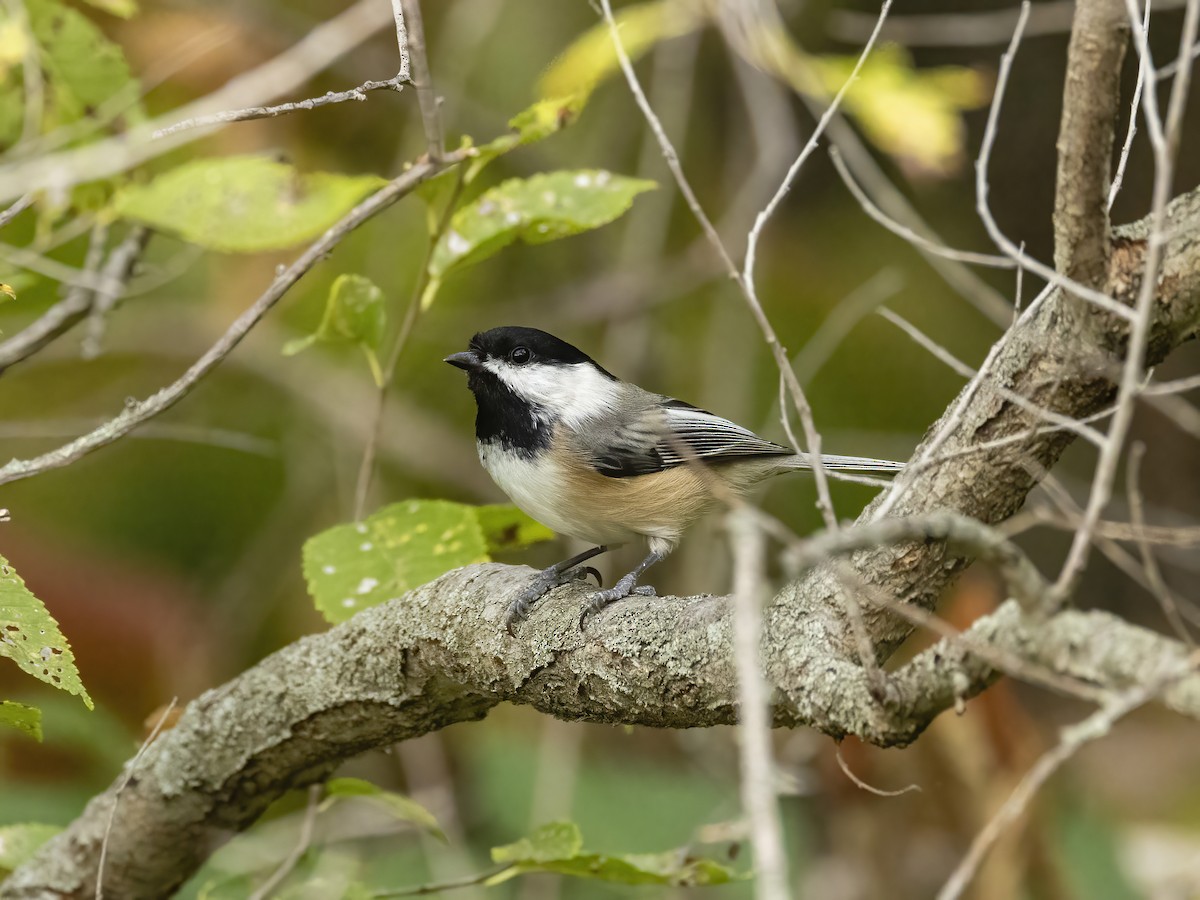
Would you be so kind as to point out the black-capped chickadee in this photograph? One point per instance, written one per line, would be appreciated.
(596, 458)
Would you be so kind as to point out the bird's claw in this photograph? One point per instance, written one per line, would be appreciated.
(626, 587)
(544, 582)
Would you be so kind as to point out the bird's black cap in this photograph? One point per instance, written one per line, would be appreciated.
(498, 343)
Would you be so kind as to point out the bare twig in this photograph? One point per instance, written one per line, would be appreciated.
(892, 201)
(900, 230)
(1165, 143)
(303, 842)
(366, 468)
(1131, 131)
(1094, 727)
(126, 777)
(120, 265)
(943, 355)
(422, 890)
(329, 98)
(137, 412)
(281, 75)
(1059, 280)
(80, 300)
(777, 350)
(431, 119)
(754, 721)
(15, 208)
(1154, 577)
(869, 788)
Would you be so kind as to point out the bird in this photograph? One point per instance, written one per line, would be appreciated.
(604, 461)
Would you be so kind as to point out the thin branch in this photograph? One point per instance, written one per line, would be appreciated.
(869, 788)
(1134, 106)
(754, 721)
(366, 467)
(137, 412)
(1083, 291)
(891, 200)
(431, 118)
(122, 784)
(119, 267)
(1154, 577)
(1094, 727)
(303, 842)
(81, 299)
(438, 887)
(1165, 145)
(777, 350)
(282, 74)
(14, 209)
(917, 240)
(329, 98)
(943, 355)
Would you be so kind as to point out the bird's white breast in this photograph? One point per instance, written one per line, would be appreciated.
(539, 487)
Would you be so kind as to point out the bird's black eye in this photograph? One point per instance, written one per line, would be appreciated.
(520, 355)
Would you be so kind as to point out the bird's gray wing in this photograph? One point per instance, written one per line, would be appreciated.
(665, 433)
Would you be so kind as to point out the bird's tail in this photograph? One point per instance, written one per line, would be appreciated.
(845, 463)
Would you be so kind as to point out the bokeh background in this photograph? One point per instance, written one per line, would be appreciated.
(172, 559)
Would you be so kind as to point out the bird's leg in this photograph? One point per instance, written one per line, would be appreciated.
(625, 587)
(547, 580)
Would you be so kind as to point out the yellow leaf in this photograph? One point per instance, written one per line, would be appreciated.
(592, 57)
(912, 114)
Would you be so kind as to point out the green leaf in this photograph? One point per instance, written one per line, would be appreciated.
(354, 312)
(506, 528)
(397, 804)
(558, 847)
(592, 57)
(542, 208)
(83, 68)
(21, 717)
(554, 841)
(535, 123)
(19, 842)
(402, 546)
(244, 204)
(124, 9)
(31, 638)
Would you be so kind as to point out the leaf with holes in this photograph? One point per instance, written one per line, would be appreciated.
(19, 842)
(558, 847)
(541, 208)
(21, 717)
(402, 546)
(398, 805)
(244, 204)
(31, 638)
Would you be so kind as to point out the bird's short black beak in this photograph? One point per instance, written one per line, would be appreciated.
(468, 360)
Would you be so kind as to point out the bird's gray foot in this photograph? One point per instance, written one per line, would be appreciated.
(544, 582)
(626, 587)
